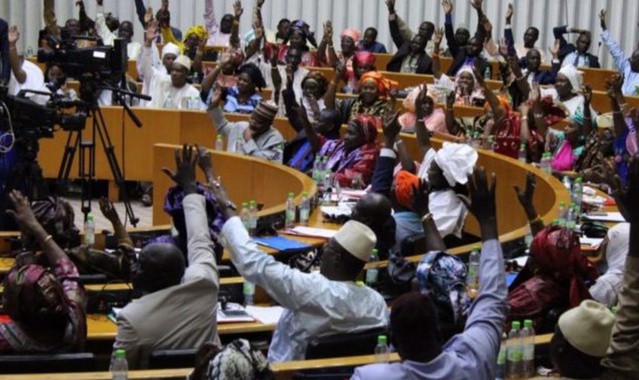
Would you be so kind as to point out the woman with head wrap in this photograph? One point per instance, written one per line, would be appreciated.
(299, 37)
(353, 156)
(243, 97)
(568, 90)
(326, 52)
(363, 62)
(373, 97)
(615, 246)
(434, 118)
(560, 277)
(45, 302)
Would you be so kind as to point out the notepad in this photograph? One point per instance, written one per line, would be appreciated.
(312, 232)
(269, 315)
(234, 312)
(281, 243)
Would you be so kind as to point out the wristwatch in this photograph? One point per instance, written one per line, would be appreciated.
(231, 205)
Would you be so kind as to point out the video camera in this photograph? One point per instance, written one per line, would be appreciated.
(94, 67)
(29, 119)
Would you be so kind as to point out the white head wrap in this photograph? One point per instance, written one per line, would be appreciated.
(456, 162)
(575, 77)
(170, 48)
(184, 61)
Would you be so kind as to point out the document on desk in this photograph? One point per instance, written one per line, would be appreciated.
(233, 312)
(605, 216)
(312, 232)
(267, 315)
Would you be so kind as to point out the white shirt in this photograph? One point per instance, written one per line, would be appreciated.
(34, 81)
(101, 28)
(315, 306)
(161, 88)
(298, 77)
(449, 212)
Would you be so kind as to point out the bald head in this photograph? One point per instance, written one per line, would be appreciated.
(159, 266)
(372, 209)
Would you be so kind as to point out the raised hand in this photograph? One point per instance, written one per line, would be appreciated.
(503, 48)
(479, 76)
(419, 102)
(535, 92)
(482, 202)
(524, 108)
(438, 36)
(260, 3)
(602, 19)
(421, 195)
(328, 32)
(509, 13)
(390, 4)
(525, 197)
(184, 175)
(340, 69)
(22, 212)
(391, 127)
(108, 210)
(151, 30)
(148, 16)
(217, 97)
(237, 9)
(204, 162)
(555, 49)
(476, 4)
(615, 82)
(14, 35)
(627, 198)
(448, 6)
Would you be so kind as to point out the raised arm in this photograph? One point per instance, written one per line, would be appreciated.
(329, 97)
(448, 27)
(140, 10)
(234, 40)
(498, 110)
(421, 132)
(311, 134)
(586, 92)
(437, 40)
(14, 58)
(525, 199)
(209, 18)
(421, 195)
(326, 51)
(481, 32)
(112, 216)
(145, 55)
(101, 27)
(87, 25)
(618, 55)
(613, 90)
(50, 19)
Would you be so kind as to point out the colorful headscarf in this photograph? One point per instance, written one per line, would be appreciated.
(321, 80)
(302, 27)
(23, 287)
(199, 30)
(364, 58)
(503, 101)
(354, 34)
(557, 253)
(477, 91)
(384, 85)
(369, 124)
(405, 182)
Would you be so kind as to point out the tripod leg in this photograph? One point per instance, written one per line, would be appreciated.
(67, 160)
(113, 164)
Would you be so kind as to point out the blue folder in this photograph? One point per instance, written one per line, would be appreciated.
(282, 244)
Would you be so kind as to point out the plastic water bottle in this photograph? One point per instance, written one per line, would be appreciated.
(522, 153)
(316, 169)
(239, 143)
(252, 217)
(290, 212)
(487, 75)
(577, 197)
(324, 167)
(566, 181)
(382, 352)
(472, 278)
(89, 230)
(119, 366)
(244, 215)
(490, 143)
(305, 209)
(545, 163)
(513, 352)
(528, 237)
(561, 215)
(30, 51)
(279, 153)
(501, 358)
(219, 143)
(571, 218)
(168, 102)
(372, 273)
(528, 349)
(248, 290)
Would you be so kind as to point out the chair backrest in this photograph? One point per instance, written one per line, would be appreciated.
(182, 358)
(349, 344)
(40, 363)
(413, 245)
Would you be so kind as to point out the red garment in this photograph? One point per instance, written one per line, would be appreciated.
(405, 182)
(308, 59)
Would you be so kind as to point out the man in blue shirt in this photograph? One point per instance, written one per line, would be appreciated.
(473, 353)
(628, 67)
(369, 42)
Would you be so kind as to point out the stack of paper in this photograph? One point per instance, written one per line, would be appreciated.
(234, 312)
(312, 232)
(605, 216)
(267, 315)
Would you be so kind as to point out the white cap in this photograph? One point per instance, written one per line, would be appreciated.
(588, 327)
(184, 61)
(357, 238)
(170, 48)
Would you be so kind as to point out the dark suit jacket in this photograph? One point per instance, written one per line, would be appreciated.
(459, 53)
(424, 62)
(565, 48)
(381, 183)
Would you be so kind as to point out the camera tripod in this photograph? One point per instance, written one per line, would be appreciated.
(86, 164)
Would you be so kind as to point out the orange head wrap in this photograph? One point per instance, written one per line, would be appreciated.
(383, 85)
(405, 182)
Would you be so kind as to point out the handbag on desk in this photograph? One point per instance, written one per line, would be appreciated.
(507, 136)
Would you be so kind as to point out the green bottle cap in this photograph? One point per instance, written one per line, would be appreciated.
(244, 204)
(120, 353)
(516, 325)
(252, 203)
(90, 217)
(305, 194)
(528, 323)
(291, 195)
(382, 339)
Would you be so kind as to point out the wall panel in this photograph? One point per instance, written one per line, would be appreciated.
(544, 14)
